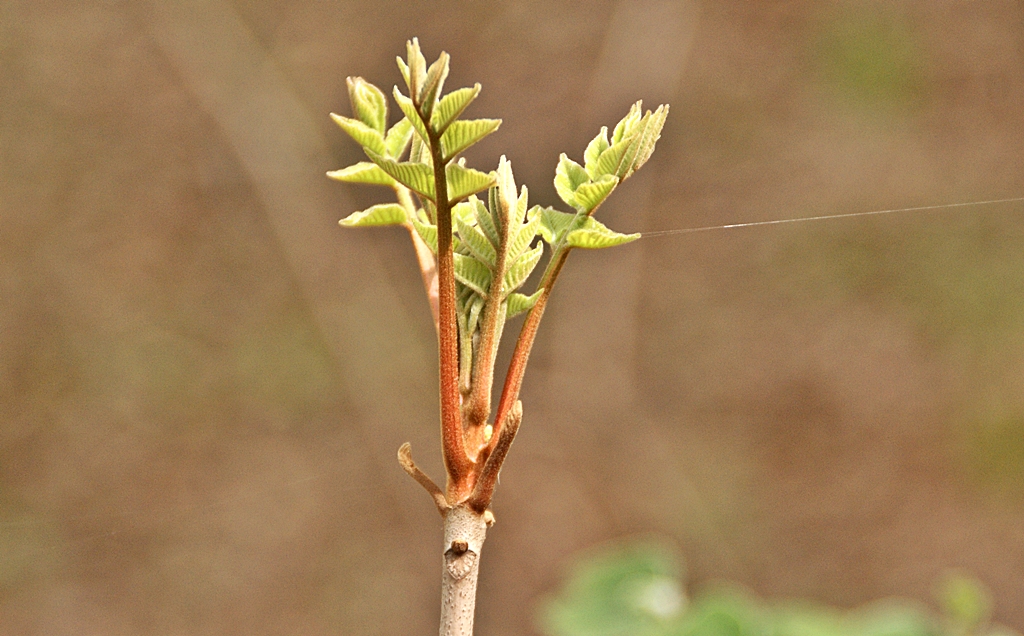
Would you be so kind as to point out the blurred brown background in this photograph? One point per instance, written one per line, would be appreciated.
(204, 380)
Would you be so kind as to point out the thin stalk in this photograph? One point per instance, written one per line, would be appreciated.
(479, 406)
(521, 355)
(425, 258)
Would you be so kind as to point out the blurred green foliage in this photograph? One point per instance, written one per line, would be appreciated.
(871, 58)
(638, 589)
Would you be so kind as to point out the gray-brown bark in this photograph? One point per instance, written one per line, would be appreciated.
(464, 534)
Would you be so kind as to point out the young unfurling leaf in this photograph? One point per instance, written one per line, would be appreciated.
(554, 224)
(473, 274)
(451, 106)
(477, 242)
(368, 103)
(518, 303)
(369, 138)
(463, 181)
(362, 172)
(594, 235)
(462, 134)
(522, 267)
(418, 177)
(592, 194)
(569, 175)
(381, 214)
(397, 139)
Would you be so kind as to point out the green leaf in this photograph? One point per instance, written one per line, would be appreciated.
(520, 270)
(518, 303)
(523, 237)
(436, 75)
(383, 214)
(633, 142)
(364, 135)
(473, 274)
(419, 152)
(569, 175)
(368, 103)
(463, 181)
(610, 161)
(416, 72)
(403, 68)
(451, 106)
(503, 197)
(554, 224)
(462, 134)
(636, 589)
(427, 232)
(485, 221)
(397, 139)
(594, 149)
(519, 212)
(409, 110)
(594, 235)
(624, 128)
(473, 317)
(647, 139)
(590, 195)
(477, 242)
(465, 212)
(417, 177)
(362, 172)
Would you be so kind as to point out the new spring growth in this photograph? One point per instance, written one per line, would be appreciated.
(493, 247)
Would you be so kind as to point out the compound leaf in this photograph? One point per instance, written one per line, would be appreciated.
(382, 214)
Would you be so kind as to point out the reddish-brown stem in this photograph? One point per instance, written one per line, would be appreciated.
(488, 479)
(521, 355)
(479, 406)
(453, 445)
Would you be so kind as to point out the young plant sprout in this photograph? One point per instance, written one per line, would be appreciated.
(475, 253)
